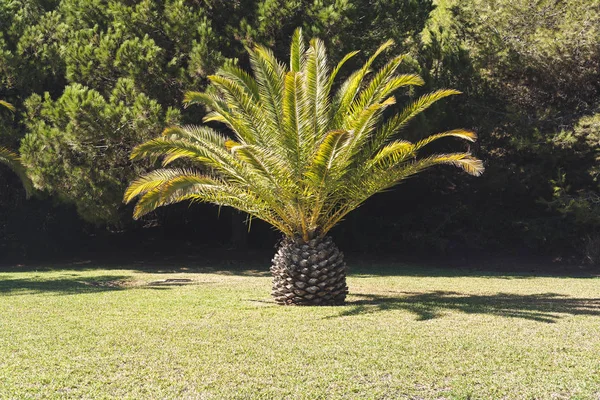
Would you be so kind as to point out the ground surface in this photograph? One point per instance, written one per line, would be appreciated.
(75, 331)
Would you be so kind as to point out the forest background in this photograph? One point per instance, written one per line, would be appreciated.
(90, 79)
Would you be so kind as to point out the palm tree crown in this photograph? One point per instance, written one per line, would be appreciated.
(12, 160)
(302, 154)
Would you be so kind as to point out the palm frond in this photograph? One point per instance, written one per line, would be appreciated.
(302, 157)
(297, 51)
(296, 122)
(159, 197)
(373, 92)
(192, 98)
(465, 161)
(392, 154)
(325, 155)
(399, 81)
(348, 91)
(204, 153)
(265, 163)
(459, 133)
(270, 75)
(243, 109)
(160, 177)
(316, 73)
(376, 178)
(395, 124)
(230, 196)
(241, 77)
(363, 125)
(7, 105)
(337, 69)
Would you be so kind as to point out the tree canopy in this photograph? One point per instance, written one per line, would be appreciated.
(92, 78)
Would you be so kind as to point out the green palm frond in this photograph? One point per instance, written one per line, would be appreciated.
(316, 72)
(395, 124)
(7, 105)
(297, 51)
(193, 98)
(469, 136)
(270, 77)
(392, 154)
(338, 68)
(373, 93)
(243, 78)
(168, 186)
(325, 156)
(158, 178)
(301, 155)
(349, 90)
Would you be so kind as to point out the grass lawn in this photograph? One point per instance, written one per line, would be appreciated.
(74, 331)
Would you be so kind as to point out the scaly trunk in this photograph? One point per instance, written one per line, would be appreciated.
(309, 273)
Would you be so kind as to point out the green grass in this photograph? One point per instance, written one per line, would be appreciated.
(406, 333)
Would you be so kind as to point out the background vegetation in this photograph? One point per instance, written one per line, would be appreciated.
(91, 78)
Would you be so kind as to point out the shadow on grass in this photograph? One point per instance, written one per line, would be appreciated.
(257, 265)
(543, 307)
(74, 285)
(366, 269)
(250, 268)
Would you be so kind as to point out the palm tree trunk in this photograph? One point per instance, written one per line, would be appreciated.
(309, 273)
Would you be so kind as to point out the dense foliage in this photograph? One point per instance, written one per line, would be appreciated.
(97, 77)
(115, 73)
(532, 72)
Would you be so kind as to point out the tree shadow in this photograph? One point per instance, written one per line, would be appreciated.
(168, 265)
(255, 264)
(63, 286)
(483, 270)
(542, 307)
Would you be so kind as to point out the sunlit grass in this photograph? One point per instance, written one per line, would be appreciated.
(126, 333)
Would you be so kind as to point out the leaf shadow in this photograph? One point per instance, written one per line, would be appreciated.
(64, 285)
(542, 307)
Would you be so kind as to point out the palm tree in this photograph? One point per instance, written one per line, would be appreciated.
(302, 156)
(12, 160)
